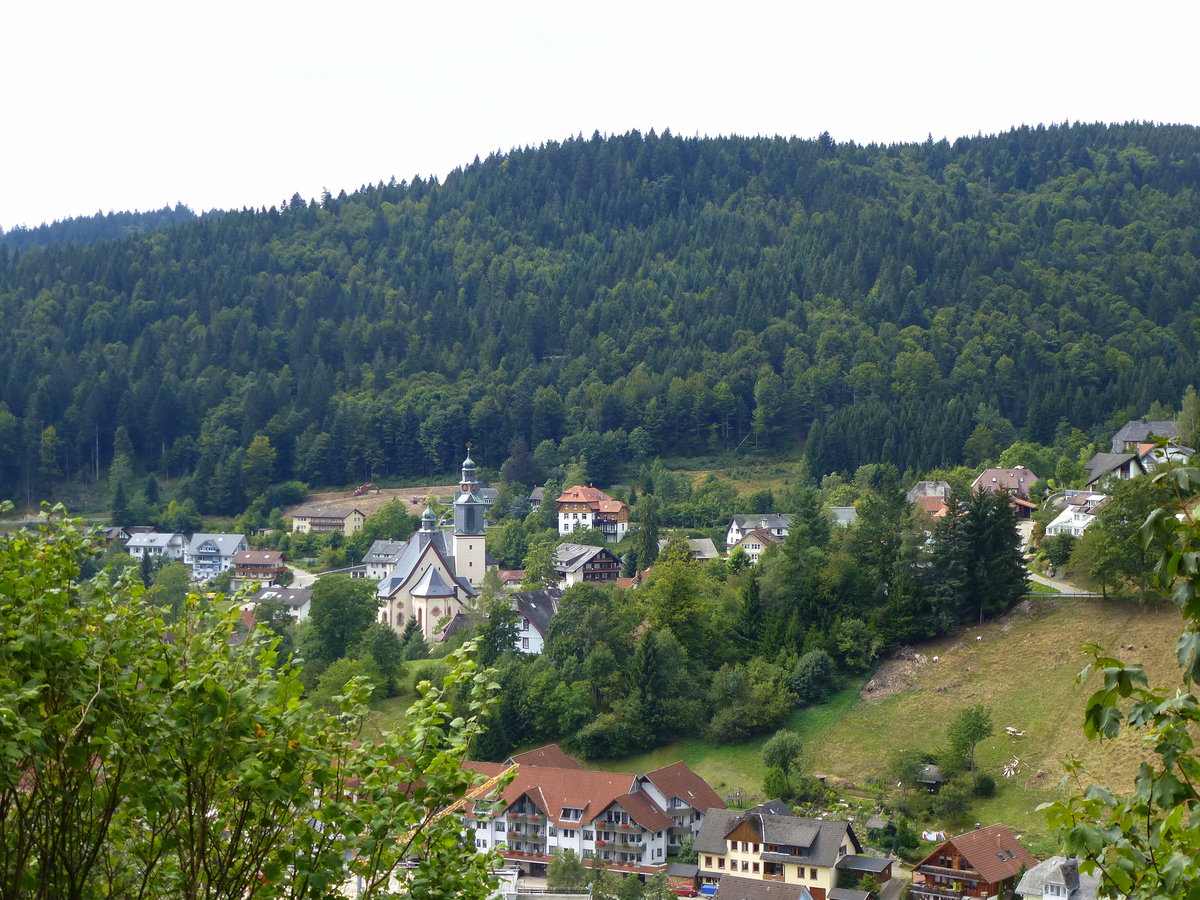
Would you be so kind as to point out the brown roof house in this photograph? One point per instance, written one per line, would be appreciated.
(983, 863)
(582, 507)
(552, 804)
(263, 566)
(1016, 481)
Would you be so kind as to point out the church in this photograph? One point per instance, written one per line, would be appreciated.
(437, 574)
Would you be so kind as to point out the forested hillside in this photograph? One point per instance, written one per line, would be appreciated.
(84, 230)
(624, 297)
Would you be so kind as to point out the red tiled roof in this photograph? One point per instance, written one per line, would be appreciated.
(935, 506)
(551, 755)
(551, 790)
(258, 557)
(994, 852)
(644, 811)
(677, 780)
(581, 494)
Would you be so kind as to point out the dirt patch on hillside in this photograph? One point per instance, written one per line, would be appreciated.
(895, 674)
(371, 503)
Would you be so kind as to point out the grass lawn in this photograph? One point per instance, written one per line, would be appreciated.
(1023, 667)
(737, 766)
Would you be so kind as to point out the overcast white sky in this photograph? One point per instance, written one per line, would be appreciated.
(134, 105)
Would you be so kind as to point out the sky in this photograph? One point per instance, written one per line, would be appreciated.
(137, 105)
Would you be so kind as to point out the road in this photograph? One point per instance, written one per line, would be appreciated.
(300, 578)
(1061, 586)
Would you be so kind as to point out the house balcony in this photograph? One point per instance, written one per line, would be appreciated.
(933, 892)
(969, 876)
(769, 877)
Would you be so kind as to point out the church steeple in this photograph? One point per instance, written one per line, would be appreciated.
(469, 553)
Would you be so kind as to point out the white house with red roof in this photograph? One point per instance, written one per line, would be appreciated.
(552, 804)
(582, 507)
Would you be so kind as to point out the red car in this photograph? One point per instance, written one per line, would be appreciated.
(686, 890)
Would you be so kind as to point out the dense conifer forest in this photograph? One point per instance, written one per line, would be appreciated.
(624, 297)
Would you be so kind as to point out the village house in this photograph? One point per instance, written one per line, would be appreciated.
(156, 546)
(575, 563)
(739, 526)
(983, 863)
(768, 843)
(1058, 878)
(756, 541)
(1122, 466)
(1141, 431)
(554, 804)
(209, 555)
(263, 566)
(534, 609)
(702, 549)
(1079, 511)
(296, 599)
(588, 507)
(347, 520)
(381, 558)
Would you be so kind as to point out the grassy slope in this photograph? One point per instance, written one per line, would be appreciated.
(1023, 667)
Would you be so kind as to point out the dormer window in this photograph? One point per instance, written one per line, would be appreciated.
(571, 814)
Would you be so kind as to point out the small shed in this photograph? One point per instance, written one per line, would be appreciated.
(931, 778)
(682, 873)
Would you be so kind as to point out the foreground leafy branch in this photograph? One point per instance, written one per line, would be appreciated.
(1147, 844)
(145, 763)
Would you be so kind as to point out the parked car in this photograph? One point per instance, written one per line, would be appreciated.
(686, 890)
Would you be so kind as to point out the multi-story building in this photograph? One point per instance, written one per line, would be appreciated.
(553, 804)
(263, 566)
(581, 562)
(588, 507)
(325, 519)
(768, 843)
(211, 554)
(156, 545)
(740, 526)
(984, 863)
(686, 798)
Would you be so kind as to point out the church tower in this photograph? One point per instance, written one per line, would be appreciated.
(469, 554)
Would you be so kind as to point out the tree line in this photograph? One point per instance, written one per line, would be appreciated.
(621, 298)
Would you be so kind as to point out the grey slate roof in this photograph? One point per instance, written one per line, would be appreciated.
(384, 552)
(702, 548)
(847, 894)
(731, 887)
(538, 606)
(1061, 871)
(411, 556)
(1140, 431)
(764, 520)
(431, 584)
(151, 539)
(571, 557)
(294, 597)
(226, 544)
(1103, 463)
(813, 842)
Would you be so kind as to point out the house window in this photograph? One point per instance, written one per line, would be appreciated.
(812, 873)
(799, 871)
(754, 868)
(756, 848)
(721, 863)
(524, 643)
(708, 861)
(588, 835)
(745, 866)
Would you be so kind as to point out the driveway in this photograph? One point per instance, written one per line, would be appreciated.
(300, 578)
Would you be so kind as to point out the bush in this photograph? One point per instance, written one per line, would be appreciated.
(985, 785)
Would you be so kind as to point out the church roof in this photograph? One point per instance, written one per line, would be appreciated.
(431, 584)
